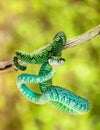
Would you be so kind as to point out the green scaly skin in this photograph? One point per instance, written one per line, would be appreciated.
(28, 78)
(61, 98)
(41, 57)
(20, 67)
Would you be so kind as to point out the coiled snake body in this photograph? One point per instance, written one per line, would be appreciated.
(50, 59)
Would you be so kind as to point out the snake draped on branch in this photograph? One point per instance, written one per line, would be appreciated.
(51, 60)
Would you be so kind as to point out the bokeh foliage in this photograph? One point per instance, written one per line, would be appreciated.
(30, 24)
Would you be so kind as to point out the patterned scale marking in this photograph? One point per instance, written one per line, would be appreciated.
(27, 78)
(41, 57)
(61, 98)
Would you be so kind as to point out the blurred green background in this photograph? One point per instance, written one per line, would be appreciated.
(28, 25)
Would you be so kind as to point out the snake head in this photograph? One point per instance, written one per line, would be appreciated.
(56, 61)
(60, 37)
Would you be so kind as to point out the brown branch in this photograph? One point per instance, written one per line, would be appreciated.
(8, 65)
(83, 37)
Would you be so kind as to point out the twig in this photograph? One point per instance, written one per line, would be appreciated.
(8, 65)
(83, 37)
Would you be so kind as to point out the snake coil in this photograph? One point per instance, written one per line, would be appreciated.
(50, 59)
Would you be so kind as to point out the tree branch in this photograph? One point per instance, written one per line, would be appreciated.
(83, 37)
(9, 65)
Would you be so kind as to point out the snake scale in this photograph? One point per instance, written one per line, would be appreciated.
(51, 60)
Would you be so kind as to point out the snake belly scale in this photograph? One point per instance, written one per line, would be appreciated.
(50, 59)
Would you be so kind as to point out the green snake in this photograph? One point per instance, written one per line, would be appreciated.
(40, 57)
(50, 59)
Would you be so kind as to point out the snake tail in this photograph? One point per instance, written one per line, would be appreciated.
(66, 100)
(61, 98)
(20, 67)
